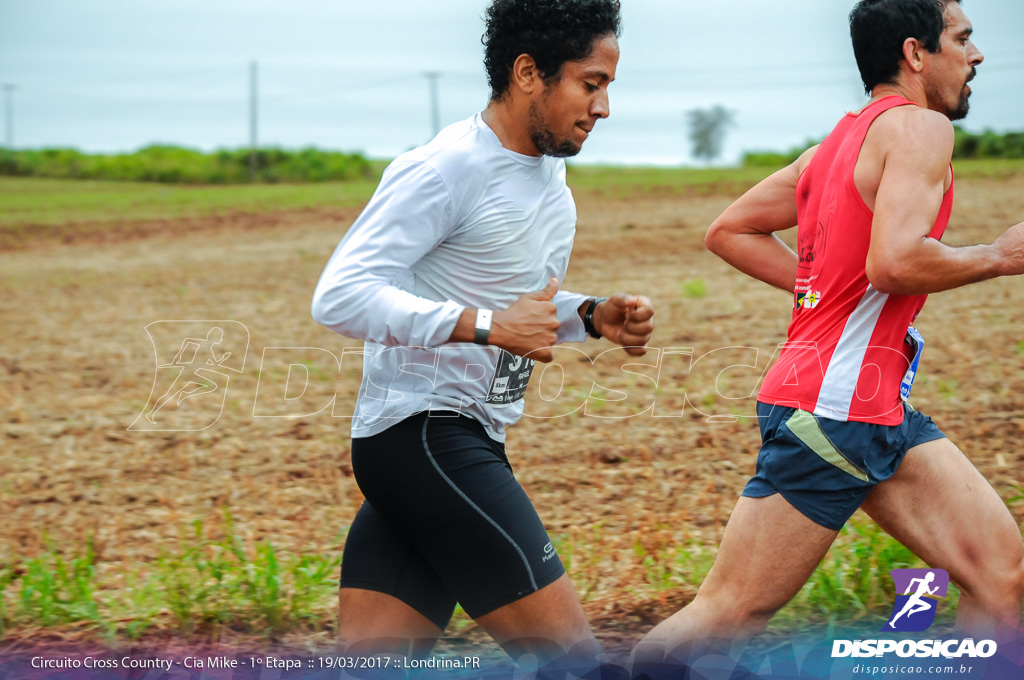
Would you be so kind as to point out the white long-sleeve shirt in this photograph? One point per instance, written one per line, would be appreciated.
(459, 223)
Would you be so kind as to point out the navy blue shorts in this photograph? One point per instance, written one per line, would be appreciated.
(826, 468)
(444, 520)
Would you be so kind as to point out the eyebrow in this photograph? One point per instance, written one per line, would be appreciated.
(597, 74)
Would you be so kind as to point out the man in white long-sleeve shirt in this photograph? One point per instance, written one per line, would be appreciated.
(450, 276)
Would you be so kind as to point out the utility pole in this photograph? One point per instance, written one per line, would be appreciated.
(253, 113)
(9, 114)
(435, 106)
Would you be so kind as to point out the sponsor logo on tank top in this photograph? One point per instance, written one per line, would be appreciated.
(808, 300)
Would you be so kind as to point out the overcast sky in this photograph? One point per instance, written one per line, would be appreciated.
(114, 75)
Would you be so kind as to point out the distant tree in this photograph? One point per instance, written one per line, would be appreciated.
(707, 130)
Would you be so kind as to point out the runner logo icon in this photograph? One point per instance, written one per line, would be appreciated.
(917, 593)
(195, 361)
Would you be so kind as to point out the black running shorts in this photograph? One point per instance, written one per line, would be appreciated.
(444, 520)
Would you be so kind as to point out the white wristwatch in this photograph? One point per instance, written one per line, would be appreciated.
(483, 326)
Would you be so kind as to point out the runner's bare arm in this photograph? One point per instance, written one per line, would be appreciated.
(529, 327)
(902, 258)
(744, 234)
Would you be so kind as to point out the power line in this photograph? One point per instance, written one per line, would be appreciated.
(9, 116)
(253, 111)
(435, 107)
(364, 97)
(716, 78)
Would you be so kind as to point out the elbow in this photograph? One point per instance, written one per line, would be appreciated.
(327, 306)
(885, 277)
(714, 239)
(319, 310)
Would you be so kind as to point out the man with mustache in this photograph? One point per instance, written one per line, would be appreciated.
(871, 203)
(450, 275)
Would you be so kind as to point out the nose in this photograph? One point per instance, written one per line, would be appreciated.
(976, 56)
(600, 107)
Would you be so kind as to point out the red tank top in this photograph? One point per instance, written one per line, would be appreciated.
(845, 355)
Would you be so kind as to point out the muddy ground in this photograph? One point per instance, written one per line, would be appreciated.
(615, 481)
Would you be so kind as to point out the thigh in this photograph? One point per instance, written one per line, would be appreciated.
(371, 623)
(768, 551)
(943, 509)
(448, 488)
(549, 624)
(383, 577)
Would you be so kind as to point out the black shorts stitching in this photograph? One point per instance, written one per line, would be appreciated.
(430, 457)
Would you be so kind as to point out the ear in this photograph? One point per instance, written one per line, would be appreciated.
(913, 52)
(525, 74)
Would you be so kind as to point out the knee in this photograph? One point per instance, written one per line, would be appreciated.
(743, 612)
(754, 617)
(581, 651)
(1013, 577)
(999, 575)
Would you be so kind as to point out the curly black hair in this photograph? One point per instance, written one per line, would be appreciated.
(551, 31)
(880, 27)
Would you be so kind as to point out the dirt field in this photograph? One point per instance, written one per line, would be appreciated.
(620, 485)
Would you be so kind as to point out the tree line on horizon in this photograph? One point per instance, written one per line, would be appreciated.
(178, 165)
(987, 144)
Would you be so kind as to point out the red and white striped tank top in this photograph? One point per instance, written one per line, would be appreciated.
(845, 355)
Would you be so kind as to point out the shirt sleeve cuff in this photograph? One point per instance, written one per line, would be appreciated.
(571, 325)
(448, 318)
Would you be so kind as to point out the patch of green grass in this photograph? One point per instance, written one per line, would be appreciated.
(175, 164)
(206, 583)
(202, 584)
(6, 576)
(676, 567)
(851, 585)
(949, 389)
(595, 404)
(57, 590)
(695, 289)
(988, 168)
(32, 205)
(853, 582)
(32, 209)
(460, 619)
(649, 181)
(640, 181)
(220, 582)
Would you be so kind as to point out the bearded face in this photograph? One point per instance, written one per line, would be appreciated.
(545, 138)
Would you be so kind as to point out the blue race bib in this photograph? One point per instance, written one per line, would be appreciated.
(917, 342)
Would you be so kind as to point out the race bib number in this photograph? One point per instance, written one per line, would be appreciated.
(916, 341)
(510, 378)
